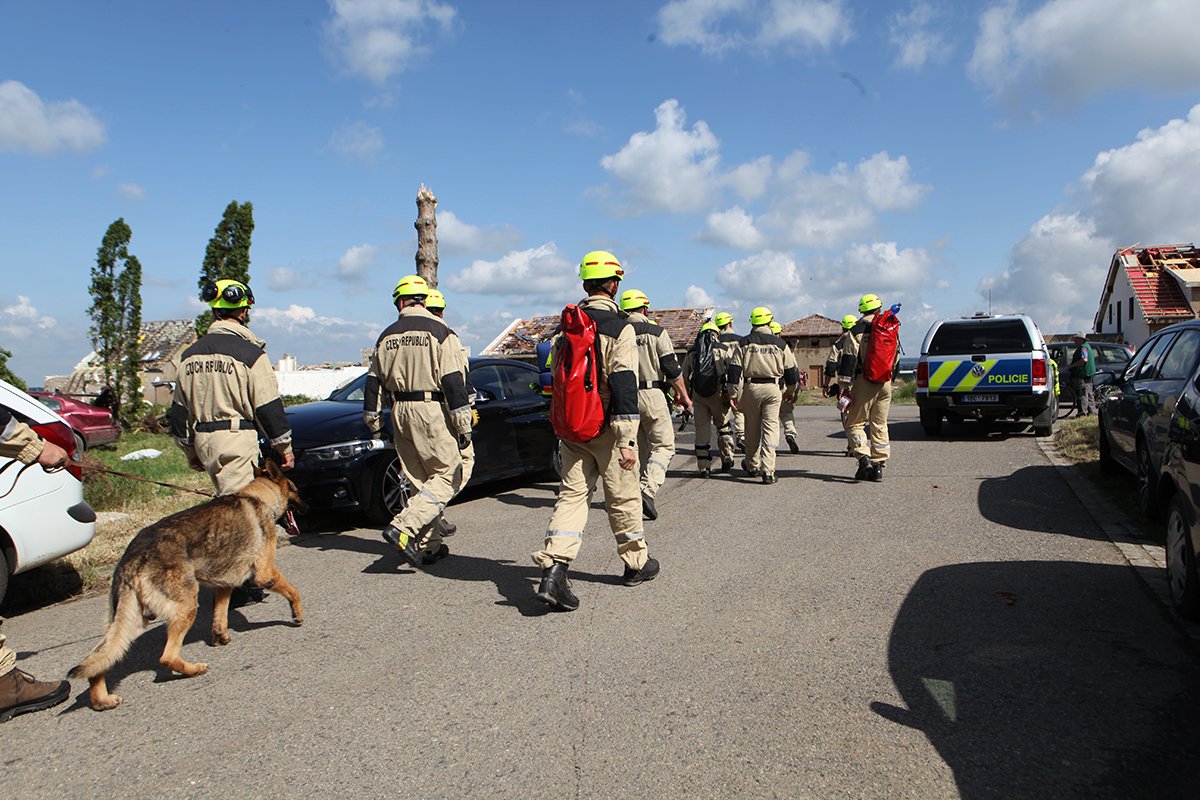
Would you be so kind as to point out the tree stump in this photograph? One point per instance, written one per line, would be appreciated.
(427, 246)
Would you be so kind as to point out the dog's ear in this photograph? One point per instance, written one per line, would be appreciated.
(272, 470)
(259, 471)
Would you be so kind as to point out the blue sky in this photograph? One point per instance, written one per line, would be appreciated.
(792, 153)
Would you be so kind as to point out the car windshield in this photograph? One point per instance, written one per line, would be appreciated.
(997, 336)
(354, 389)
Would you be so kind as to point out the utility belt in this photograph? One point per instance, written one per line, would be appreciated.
(225, 425)
(652, 385)
(762, 380)
(418, 397)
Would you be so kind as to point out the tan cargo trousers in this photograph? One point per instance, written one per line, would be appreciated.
(871, 404)
(229, 458)
(656, 439)
(432, 463)
(760, 403)
(711, 412)
(787, 418)
(582, 464)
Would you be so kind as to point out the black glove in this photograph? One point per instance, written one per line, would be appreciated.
(464, 441)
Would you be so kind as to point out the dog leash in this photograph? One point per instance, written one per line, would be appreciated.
(106, 470)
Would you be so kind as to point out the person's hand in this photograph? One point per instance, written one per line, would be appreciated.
(789, 397)
(628, 458)
(52, 456)
(686, 405)
(289, 460)
(733, 403)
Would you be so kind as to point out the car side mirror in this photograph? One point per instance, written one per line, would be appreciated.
(484, 396)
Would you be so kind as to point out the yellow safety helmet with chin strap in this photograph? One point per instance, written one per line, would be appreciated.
(868, 303)
(227, 293)
(710, 326)
(411, 286)
(722, 319)
(633, 299)
(848, 322)
(761, 316)
(435, 299)
(776, 328)
(598, 265)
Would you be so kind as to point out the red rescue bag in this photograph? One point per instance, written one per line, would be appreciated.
(881, 350)
(576, 411)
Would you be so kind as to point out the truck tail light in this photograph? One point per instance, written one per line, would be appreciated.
(922, 374)
(1039, 372)
(61, 435)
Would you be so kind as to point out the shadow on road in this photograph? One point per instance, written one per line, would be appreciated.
(1040, 679)
(969, 431)
(1020, 501)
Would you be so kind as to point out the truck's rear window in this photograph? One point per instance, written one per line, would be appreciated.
(993, 336)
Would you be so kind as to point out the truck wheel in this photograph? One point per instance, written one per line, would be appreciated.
(1043, 423)
(1181, 562)
(931, 421)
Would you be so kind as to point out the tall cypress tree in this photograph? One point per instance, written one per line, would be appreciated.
(116, 313)
(228, 253)
(7, 374)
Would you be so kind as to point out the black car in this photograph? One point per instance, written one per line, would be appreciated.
(1136, 416)
(339, 467)
(1111, 361)
(1179, 490)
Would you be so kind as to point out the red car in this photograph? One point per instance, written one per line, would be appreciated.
(93, 425)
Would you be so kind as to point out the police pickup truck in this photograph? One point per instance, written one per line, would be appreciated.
(984, 368)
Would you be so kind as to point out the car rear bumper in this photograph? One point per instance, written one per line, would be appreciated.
(1006, 405)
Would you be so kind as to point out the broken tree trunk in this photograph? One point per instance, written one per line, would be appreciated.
(426, 225)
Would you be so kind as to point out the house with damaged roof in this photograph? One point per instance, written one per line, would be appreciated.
(520, 339)
(160, 344)
(1148, 288)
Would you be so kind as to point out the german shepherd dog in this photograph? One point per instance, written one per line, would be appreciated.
(221, 544)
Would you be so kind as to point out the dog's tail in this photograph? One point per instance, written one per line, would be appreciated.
(123, 628)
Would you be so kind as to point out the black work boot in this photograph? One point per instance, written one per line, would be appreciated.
(555, 589)
(648, 572)
(726, 465)
(20, 693)
(746, 466)
(445, 526)
(769, 478)
(705, 472)
(406, 543)
(247, 593)
(436, 556)
(648, 509)
(877, 472)
(864, 469)
(792, 443)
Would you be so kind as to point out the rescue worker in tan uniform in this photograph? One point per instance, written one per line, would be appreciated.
(712, 410)
(226, 392)
(611, 457)
(658, 369)
(20, 692)
(787, 407)
(754, 380)
(831, 367)
(737, 420)
(418, 362)
(870, 402)
(435, 302)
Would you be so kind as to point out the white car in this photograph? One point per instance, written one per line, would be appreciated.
(42, 514)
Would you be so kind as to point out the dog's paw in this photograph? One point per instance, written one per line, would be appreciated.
(298, 621)
(219, 639)
(108, 703)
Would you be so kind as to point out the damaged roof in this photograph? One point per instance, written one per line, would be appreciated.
(812, 325)
(1157, 275)
(522, 336)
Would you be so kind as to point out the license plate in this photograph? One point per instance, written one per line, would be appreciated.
(975, 399)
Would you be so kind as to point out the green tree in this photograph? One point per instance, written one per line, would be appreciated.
(228, 253)
(116, 313)
(7, 374)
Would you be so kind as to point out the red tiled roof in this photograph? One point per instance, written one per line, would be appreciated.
(523, 335)
(1158, 294)
(812, 325)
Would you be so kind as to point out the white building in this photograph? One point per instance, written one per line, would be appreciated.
(1148, 288)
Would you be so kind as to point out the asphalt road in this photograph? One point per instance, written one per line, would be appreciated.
(961, 629)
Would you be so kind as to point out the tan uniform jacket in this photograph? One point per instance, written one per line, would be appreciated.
(835, 356)
(225, 382)
(657, 364)
(857, 342)
(418, 354)
(762, 357)
(18, 440)
(618, 367)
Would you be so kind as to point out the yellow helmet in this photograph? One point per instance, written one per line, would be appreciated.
(776, 328)
(410, 286)
(848, 322)
(761, 316)
(435, 299)
(869, 302)
(633, 299)
(722, 319)
(710, 326)
(227, 294)
(600, 264)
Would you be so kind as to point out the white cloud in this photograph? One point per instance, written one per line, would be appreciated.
(311, 337)
(379, 38)
(282, 279)
(540, 272)
(1071, 50)
(22, 319)
(716, 26)
(357, 141)
(131, 191)
(697, 297)
(29, 125)
(355, 262)
(456, 236)
(914, 36)
(733, 228)
(479, 331)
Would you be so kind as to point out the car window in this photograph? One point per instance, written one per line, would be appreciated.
(355, 389)
(521, 383)
(1181, 359)
(490, 379)
(1111, 357)
(50, 403)
(1146, 370)
(997, 336)
(1135, 363)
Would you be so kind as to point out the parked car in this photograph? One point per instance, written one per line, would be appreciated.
(1135, 418)
(42, 514)
(1111, 361)
(1177, 491)
(339, 467)
(985, 368)
(93, 425)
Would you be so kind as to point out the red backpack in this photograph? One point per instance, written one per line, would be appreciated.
(575, 408)
(881, 352)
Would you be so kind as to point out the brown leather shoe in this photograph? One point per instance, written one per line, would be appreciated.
(20, 692)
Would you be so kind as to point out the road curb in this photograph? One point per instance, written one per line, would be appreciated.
(1149, 561)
